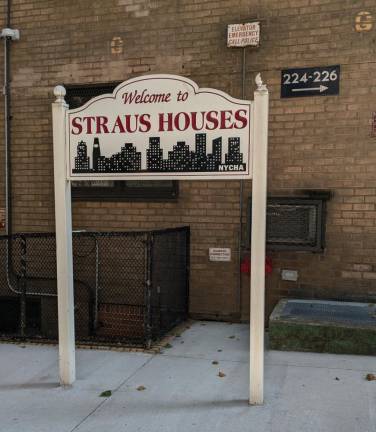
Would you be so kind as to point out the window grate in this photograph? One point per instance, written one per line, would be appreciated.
(294, 224)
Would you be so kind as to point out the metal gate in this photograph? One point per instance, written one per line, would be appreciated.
(129, 287)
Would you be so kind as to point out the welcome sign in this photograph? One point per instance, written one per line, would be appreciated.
(160, 126)
(152, 127)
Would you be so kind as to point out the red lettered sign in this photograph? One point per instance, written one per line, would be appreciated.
(160, 126)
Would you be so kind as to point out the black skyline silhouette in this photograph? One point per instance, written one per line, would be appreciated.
(180, 158)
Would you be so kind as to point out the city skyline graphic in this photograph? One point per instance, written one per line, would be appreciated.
(180, 159)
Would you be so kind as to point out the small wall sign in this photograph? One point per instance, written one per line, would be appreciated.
(315, 81)
(242, 35)
(219, 254)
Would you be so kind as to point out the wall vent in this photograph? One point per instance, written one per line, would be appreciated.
(295, 223)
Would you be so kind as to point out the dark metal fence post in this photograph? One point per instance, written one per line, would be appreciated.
(187, 265)
(148, 288)
(96, 289)
(23, 286)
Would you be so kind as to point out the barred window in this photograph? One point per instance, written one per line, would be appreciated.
(126, 190)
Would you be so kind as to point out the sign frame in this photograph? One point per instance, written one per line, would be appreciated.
(64, 255)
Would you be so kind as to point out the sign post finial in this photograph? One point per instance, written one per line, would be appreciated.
(60, 92)
(261, 87)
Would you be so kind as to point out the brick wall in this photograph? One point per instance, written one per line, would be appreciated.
(315, 142)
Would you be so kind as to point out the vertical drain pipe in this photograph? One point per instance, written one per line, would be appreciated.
(9, 35)
(7, 118)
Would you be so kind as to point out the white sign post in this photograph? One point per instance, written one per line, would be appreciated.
(258, 240)
(153, 127)
(63, 227)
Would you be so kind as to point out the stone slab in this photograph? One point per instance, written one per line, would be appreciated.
(331, 330)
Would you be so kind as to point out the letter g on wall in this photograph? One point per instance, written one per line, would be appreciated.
(363, 22)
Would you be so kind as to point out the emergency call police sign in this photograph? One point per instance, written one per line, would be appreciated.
(160, 126)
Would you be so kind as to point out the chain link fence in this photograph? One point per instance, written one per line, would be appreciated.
(130, 288)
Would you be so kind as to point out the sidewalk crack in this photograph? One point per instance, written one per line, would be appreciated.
(113, 392)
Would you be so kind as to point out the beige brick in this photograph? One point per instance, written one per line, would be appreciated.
(315, 142)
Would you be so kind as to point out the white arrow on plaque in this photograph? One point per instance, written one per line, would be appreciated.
(321, 89)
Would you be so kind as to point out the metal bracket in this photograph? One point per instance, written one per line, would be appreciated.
(10, 33)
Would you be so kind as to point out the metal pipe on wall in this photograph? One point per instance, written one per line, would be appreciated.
(8, 35)
(7, 146)
(7, 126)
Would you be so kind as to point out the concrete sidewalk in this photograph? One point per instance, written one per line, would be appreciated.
(183, 392)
